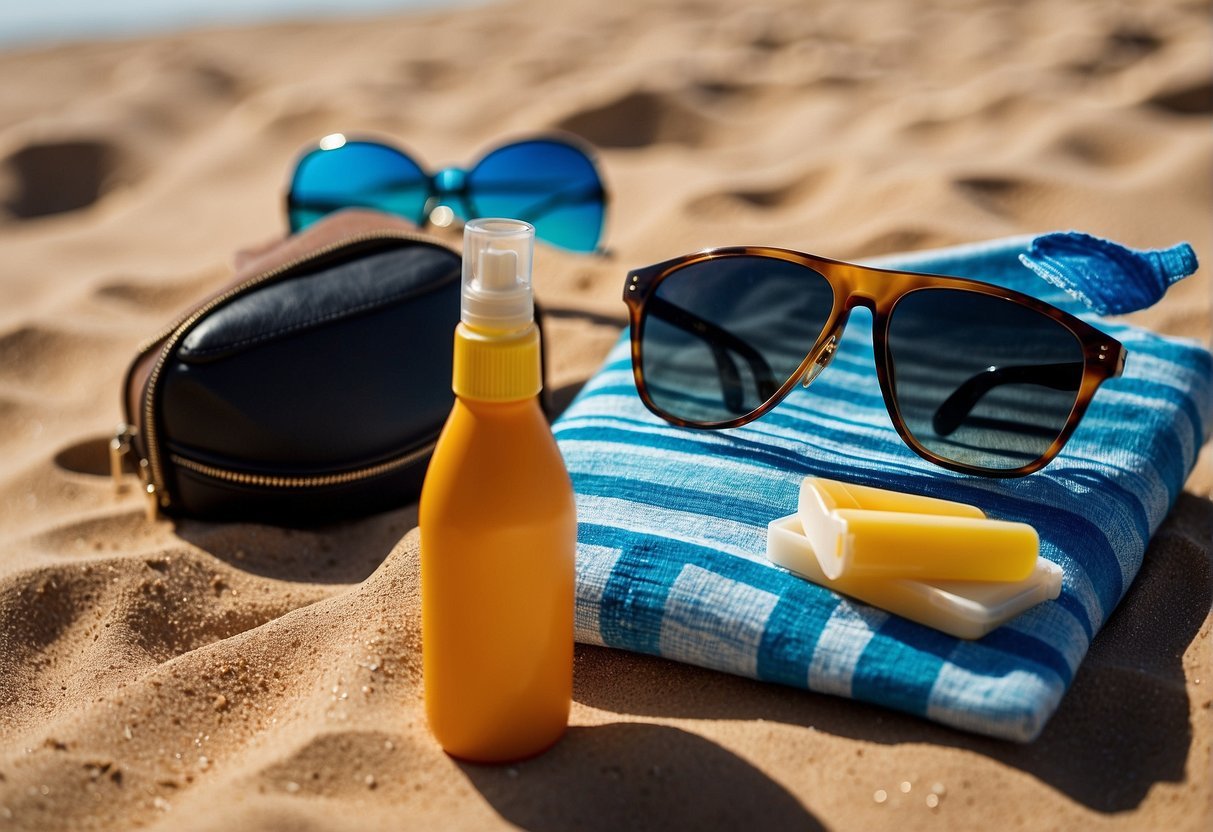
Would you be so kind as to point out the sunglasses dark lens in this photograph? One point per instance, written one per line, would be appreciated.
(982, 380)
(552, 185)
(721, 336)
(357, 174)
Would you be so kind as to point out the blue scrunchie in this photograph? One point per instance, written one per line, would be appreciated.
(1110, 279)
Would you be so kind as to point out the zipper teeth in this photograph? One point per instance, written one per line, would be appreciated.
(177, 330)
(272, 481)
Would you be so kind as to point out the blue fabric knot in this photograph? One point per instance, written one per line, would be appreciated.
(1109, 278)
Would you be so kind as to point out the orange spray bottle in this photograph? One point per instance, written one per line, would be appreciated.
(498, 525)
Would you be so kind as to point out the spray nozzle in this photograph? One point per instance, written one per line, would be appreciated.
(497, 275)
(498, 269)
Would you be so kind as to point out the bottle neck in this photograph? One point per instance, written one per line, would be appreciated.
(496, 366)
(510, 411)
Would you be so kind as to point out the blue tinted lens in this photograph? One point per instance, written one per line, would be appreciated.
(980, 379)
(721, 336)
(357, 174)
(550, 184)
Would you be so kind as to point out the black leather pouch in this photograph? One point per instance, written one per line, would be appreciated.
(312, 388)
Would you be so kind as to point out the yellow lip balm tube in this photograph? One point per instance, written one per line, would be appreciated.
(863, 532)
(965, 609)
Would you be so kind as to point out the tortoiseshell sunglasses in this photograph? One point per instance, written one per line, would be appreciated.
(977, 378)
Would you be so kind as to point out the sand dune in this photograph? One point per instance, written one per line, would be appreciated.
(191, 675)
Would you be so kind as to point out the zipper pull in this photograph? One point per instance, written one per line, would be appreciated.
(151, 498)
(152, 505)
(120, 446)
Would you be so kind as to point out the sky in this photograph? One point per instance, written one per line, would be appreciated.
(36, 22)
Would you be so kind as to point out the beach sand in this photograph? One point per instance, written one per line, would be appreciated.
(188, 675)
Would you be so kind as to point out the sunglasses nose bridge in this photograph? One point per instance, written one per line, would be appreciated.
(864, 298)
(450, 181)
(449, 188)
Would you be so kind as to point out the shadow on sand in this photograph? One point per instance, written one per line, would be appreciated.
(638, 776)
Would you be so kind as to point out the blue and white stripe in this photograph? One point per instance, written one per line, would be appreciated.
(672, 523)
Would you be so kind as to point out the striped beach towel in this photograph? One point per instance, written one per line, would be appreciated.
(672, 522)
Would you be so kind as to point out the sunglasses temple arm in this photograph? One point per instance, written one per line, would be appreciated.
(559, 199)
(318, 204)
(730, 381)
(335, 203)
(720, 342)
(957, 407)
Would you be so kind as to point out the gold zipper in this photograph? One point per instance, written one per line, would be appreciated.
(274, 481)
(157, 495)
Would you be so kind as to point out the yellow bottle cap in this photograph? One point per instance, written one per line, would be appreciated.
(496, 367)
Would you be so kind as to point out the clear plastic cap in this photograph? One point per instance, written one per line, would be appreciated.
(497, 292)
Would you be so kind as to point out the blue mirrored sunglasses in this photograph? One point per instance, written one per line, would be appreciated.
(550, 182)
